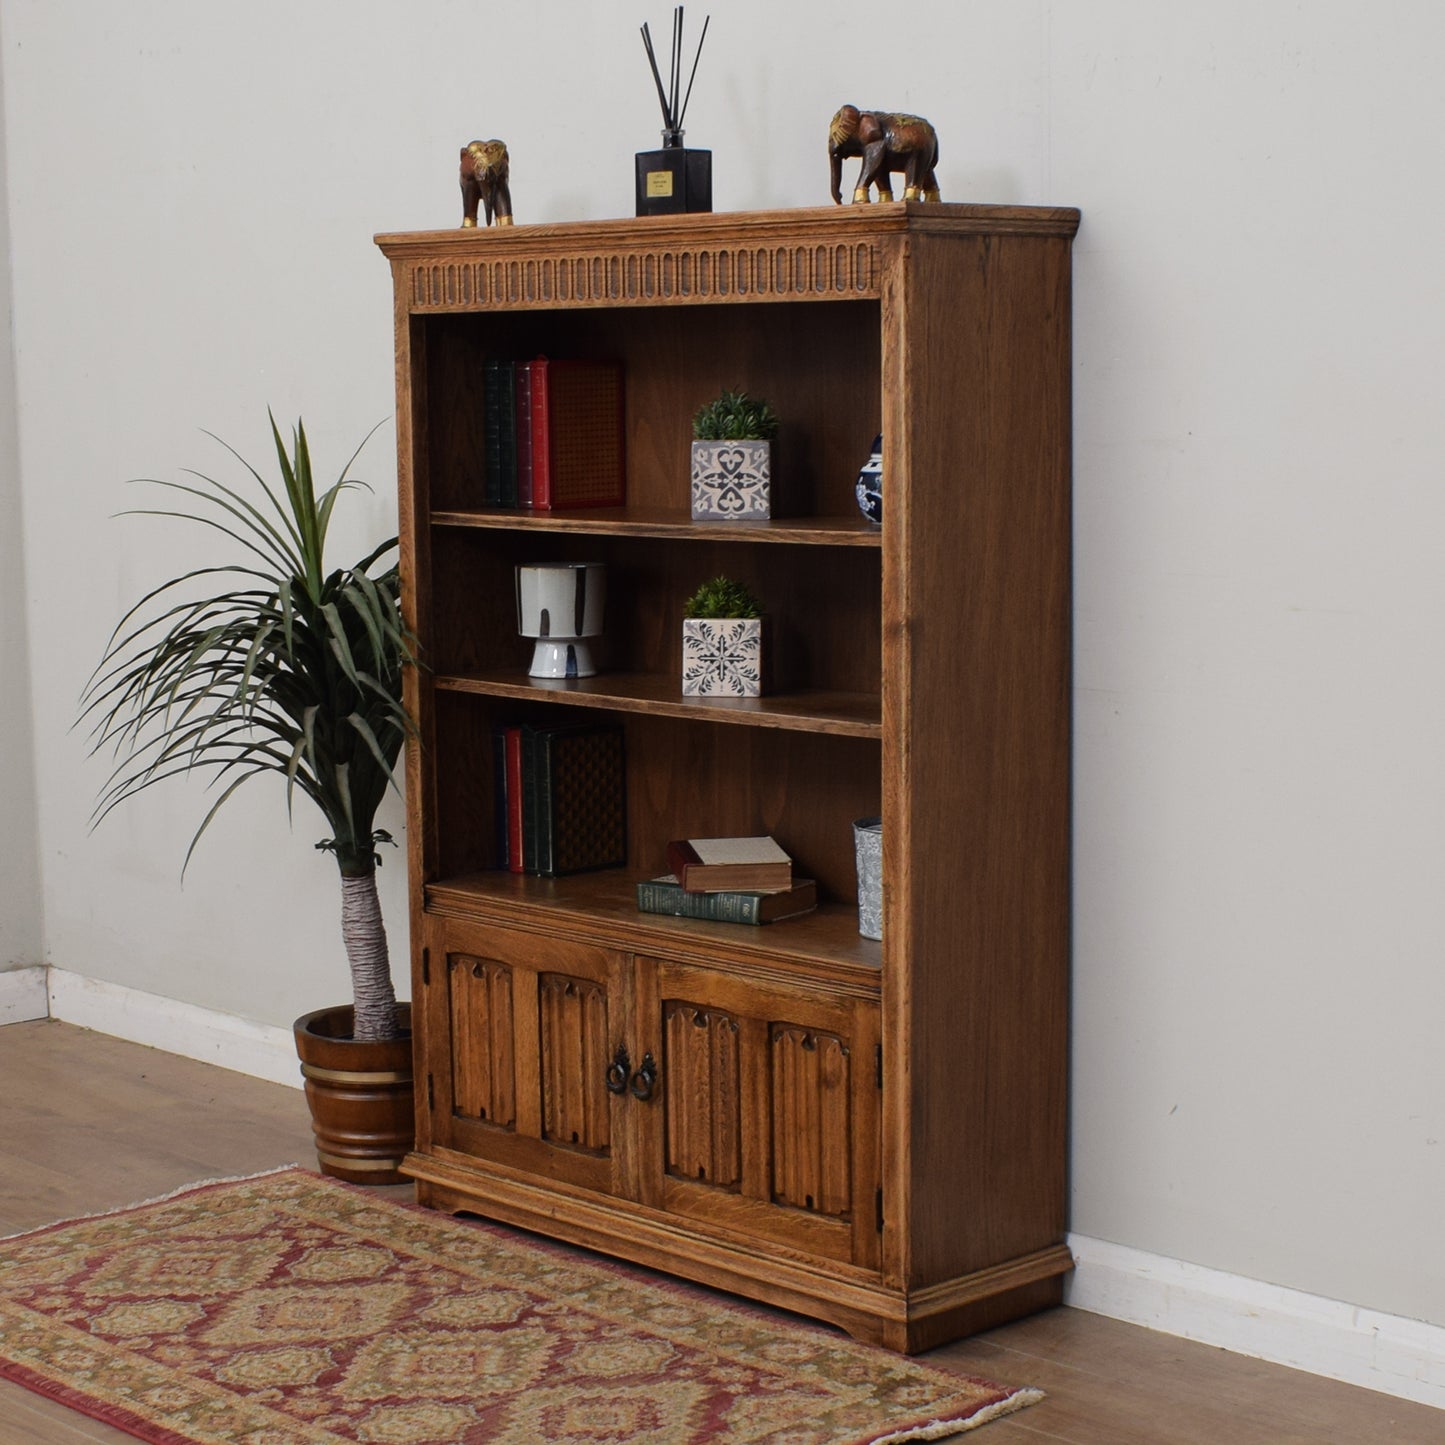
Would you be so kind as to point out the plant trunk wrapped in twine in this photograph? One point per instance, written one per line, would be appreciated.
(364, 933)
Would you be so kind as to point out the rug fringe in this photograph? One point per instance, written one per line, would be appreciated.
(942, 1429)
(143, 1203)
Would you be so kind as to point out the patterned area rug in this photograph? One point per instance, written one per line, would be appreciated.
(289, 1309)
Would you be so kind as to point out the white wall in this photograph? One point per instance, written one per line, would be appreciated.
(1260, 676)
(20, 910)
(1258, 1081)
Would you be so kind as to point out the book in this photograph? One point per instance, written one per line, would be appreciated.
(516, 836)
(492, 433)
(500, 432)
(578, 434)
(524, 433)
(667, 895)
(531, 823)
(578, 797)
(709, 865)
(507, 405)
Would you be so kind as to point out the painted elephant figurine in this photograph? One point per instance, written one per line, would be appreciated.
(484, 176)
(887, 143)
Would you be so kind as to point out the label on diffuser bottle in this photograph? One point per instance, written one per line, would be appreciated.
(659, 183)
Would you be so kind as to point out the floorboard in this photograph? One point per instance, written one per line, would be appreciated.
(89, 1123)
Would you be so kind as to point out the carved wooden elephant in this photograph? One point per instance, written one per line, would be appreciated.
(887, 143)
(484, 176)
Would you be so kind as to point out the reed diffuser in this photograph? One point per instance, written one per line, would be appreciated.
(673, 179)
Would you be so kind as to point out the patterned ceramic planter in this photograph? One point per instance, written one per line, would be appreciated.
(722, 657)
(732, 481)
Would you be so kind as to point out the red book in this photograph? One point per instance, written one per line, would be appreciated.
(514, 799)
(578, 434)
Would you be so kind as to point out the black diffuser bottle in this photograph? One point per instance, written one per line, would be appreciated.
(674, 179)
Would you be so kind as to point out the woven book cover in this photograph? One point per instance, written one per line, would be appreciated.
(578, 434)
(581, 791)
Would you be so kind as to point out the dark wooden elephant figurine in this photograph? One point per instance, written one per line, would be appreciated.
(887, 143)
(484, 174)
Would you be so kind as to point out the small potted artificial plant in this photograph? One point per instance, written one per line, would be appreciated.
(732, 459)
(294, 671)
(722, 641)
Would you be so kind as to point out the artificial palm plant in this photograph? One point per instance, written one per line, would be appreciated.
(293, 671)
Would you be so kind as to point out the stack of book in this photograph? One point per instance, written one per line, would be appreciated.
(561, 798)
(730, 880)
(554, 434)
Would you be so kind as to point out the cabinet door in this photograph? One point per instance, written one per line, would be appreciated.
(521, 1031)
(764, 1118)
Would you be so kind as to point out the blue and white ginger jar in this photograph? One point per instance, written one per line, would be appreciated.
(869, 487)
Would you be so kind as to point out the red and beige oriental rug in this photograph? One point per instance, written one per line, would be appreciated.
(288, 1309)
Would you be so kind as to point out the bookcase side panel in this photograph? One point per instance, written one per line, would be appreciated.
(978, 829)
(414, 559)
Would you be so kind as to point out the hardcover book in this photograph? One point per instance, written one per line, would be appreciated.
(578, 434)
(492, 432)
(524, 433)
(667, 895)
(709, 865)
(507, 405)
(499, 410)
(579, 797)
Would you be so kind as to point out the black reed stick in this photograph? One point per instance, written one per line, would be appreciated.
(676, 63)
(693, 76)
(657, 78)
(668, 98)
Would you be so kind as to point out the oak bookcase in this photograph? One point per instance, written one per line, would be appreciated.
(873, 1134)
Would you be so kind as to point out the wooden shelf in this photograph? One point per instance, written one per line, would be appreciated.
(823, 944)
(671, 525)
(842, 714)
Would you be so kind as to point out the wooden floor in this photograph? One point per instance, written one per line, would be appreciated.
(88, 1123)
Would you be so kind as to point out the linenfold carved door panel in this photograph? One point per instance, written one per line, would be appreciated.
(533, 1030)
(765, 1118)
(484, 1067)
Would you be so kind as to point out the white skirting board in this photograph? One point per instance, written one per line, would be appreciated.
(22, 995)
(262, 1050)
(1288, 1327)
(1324, 1337)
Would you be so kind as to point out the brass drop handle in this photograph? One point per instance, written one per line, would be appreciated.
(618, 1070)
(644, 1080)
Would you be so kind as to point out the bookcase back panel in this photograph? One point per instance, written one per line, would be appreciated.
(457, 770)
(822, 604)
(708, 781)
(699, 781)
(818, 363)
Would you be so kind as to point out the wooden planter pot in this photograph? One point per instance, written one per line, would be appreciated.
(360, 1092)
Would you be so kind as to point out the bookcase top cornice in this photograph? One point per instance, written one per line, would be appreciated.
(812, 223)
(821, 252)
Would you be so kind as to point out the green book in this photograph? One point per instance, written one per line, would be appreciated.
(667, 895)
(499, 433)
